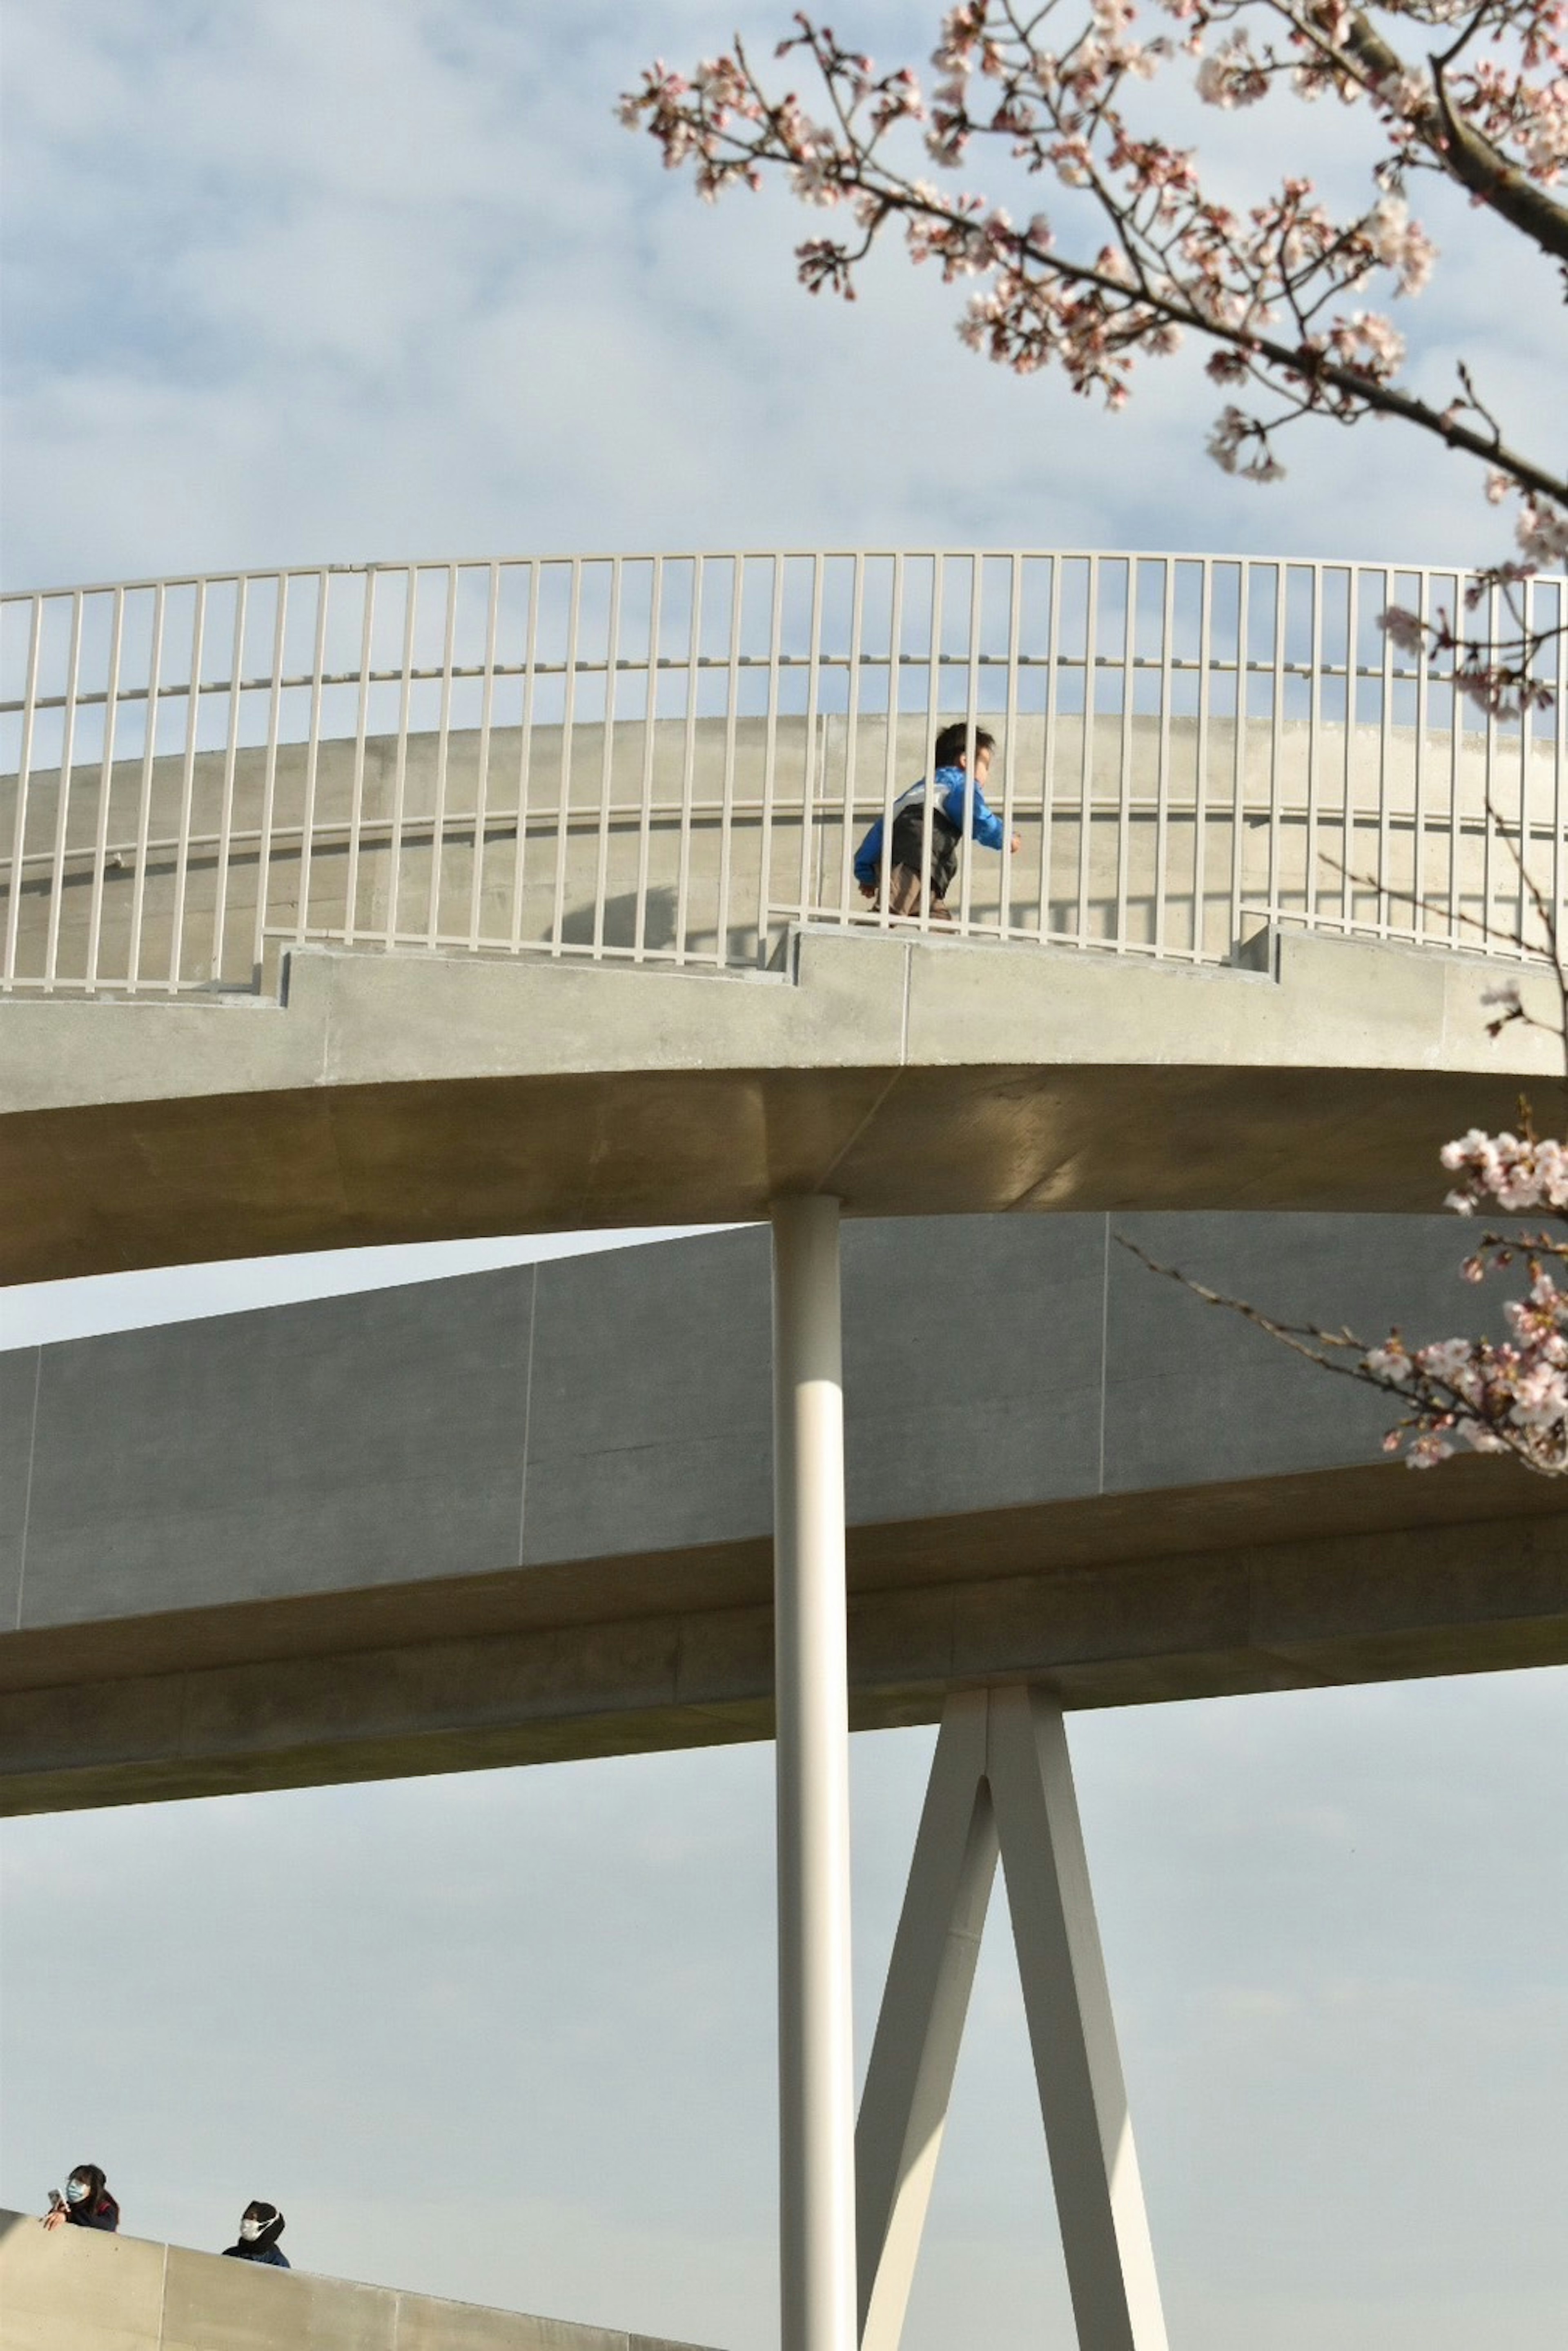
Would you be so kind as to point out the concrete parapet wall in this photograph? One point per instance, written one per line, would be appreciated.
(526, 1515)
(401, 1098)
(74, 2290)
(1151, 835)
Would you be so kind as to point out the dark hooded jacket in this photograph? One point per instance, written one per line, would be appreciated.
(97, 2208)
(264, 2248)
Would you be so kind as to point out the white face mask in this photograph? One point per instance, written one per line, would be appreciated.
(251, 2230)
(76, 2190)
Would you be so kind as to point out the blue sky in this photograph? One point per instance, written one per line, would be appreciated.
(384, 279)
(288, 283)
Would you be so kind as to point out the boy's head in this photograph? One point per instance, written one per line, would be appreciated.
(953, 748)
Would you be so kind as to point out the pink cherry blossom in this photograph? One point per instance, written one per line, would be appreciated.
(1143, 249)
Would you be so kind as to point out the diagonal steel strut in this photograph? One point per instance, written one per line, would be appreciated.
(1001, 1781)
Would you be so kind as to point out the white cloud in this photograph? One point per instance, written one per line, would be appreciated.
(295, 285)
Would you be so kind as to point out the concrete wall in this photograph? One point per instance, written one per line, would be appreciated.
(528, 1513)
(412, 1097)
(72, 2290)
(637, 849)
(619, 1404)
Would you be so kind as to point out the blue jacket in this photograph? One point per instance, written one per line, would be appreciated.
(953, 790)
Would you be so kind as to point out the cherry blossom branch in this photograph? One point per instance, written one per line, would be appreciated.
(1507, 1395)
(1501, 674)
(1154, 255)
(1462, 149)
(1496, 1396)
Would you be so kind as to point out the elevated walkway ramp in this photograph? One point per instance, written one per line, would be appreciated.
(527, 1515)
(74, 2290)
(446, 899)
(409, 1097)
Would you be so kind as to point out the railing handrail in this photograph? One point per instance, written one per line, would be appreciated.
(232, 575)
(670, 755)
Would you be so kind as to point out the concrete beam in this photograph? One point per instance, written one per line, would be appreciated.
(527, 1514)
(1388, 1604)
(412, 1098)
(74, 2290)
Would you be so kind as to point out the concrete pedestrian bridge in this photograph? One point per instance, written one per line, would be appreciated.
(438, 900)
(526, 1515)
(430, 901)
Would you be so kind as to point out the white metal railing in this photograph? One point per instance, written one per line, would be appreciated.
(672, 759)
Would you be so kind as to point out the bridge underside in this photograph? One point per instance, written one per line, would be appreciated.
(394, 1099)
(466, 1676)
(524, 1517)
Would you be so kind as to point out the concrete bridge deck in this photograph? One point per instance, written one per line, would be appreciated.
(527, 1515)
(74, 2290)
(417, 1097)
(334, 892)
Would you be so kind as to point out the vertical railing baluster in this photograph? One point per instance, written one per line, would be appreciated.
(1124, 790)
(1384, 741)
(1418, 819)
(688, 762)
(313, 759)
(1352, 779)
(24, 774)
(1558, 882)
(443, 762)
(851, 736)
(809, 746)
(645, 813)
(568, 725)
(1086, 760)
(731, 720)
(482, 774)
(357, 777)
(231, 770)
(534, 573)
(1048, 745)
(105, 794)
(1277, 738)
(971, 713)
(1522, 875)
(769, 766)
(1009, 748)
(187, 787)
(1314, 689)
(607, 759)
(933, 725)
(1456, 784)
(63, 796)
(1239, 756)
(1201, 767)
(1163, 788)
(145, 798)
(400, 758)
(890, 760)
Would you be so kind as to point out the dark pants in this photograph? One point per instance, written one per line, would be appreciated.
(903, 895)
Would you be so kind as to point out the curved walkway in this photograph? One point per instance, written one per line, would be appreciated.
(415, 1098)
(526, 1515)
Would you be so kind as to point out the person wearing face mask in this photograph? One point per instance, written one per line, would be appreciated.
(259, 2230)
(86, 2204)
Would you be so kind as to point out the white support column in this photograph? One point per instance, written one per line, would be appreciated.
(903, 2108)
(815, 2064)
(1083, 2102)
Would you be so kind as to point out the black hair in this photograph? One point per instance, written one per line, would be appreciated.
(952, 742)
(267, 2236)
